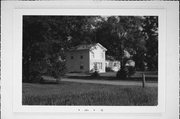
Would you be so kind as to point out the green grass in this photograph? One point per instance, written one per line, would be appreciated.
(67, 93)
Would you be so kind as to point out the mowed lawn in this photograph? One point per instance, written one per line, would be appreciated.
(150, 76)
(69, 93)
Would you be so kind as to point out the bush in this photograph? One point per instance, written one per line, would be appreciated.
(95, 74)
(57, 70)
(131, 70)
(34, 71)
(125, 72)
(122, 73)
(108, 69)
(35, 77)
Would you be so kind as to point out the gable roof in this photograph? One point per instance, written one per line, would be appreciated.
(87, 47)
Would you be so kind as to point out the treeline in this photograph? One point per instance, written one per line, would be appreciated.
(46, 38)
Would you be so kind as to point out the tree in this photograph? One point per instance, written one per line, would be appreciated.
(150, 29)
(121, 33)
(45, 40)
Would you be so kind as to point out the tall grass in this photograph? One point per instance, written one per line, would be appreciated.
(88, 94)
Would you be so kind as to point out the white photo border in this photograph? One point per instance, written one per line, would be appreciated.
(11, 89)
(17, 98)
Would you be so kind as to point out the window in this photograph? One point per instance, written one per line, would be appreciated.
(100, 67)
(92, 54)
(81, 57)
(81, 66)
(102, 55)
(95, 65)
(106, 64)
(72, 57)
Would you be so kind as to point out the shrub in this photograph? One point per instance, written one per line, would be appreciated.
(125, 72)
(122, 73)
(131, 70)
(35, 77)
(95, 74)
(108, 69)
(57, 70)
(34, 71)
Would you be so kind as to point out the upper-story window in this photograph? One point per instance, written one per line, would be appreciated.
(93, 54)
(81, 57)
(72, 57)
(102, 55)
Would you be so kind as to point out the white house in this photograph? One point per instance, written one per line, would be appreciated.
(86, 58)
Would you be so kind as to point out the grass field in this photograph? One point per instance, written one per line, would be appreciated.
(150, 76)
(68, 93)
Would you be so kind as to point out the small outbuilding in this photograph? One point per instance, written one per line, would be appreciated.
(114, 65)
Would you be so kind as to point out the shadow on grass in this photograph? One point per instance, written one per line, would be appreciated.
(110, 78)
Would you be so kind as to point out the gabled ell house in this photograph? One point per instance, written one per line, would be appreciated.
(86, 58)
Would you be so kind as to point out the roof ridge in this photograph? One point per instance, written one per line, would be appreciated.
(87, 46)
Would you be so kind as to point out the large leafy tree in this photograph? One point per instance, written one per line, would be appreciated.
(45, 38)
(122, 33)
(136, 34)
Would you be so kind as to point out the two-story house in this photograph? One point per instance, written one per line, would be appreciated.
(86, 58)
